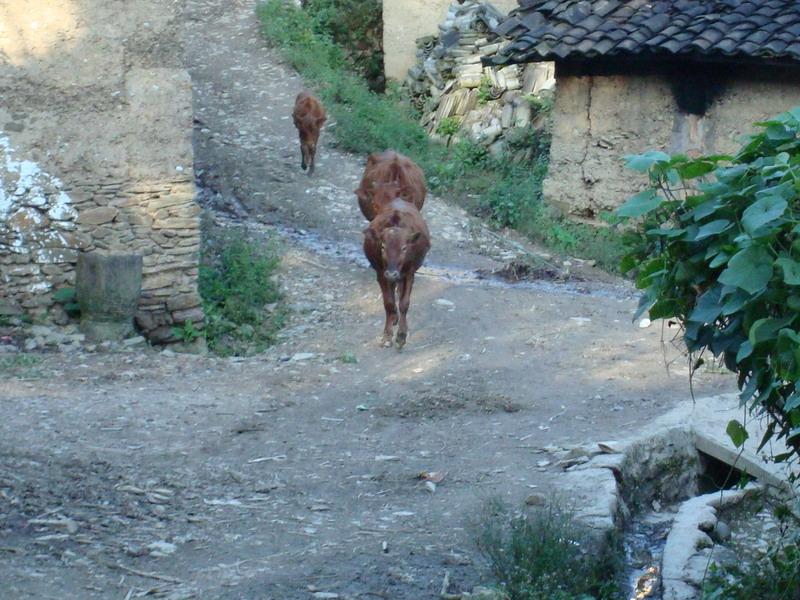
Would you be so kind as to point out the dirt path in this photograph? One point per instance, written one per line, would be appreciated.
(294, 472)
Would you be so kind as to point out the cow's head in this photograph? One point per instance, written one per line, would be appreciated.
(394, 242)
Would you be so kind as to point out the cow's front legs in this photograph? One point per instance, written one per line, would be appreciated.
(387, 289)
(405, 301)
(311, 161)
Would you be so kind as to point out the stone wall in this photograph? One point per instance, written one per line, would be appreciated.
(95, 153)
(406, 20)
(599, 119)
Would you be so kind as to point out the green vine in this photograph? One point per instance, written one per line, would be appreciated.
(717, 249)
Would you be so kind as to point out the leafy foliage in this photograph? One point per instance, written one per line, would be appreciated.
(774, 575)
(357, 27)
(547, 555)
(363, 122)
(67, 297)
(717, 249)
(449, 126)
(484, 91)
(242, 301)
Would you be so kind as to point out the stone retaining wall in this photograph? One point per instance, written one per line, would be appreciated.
(95, 154)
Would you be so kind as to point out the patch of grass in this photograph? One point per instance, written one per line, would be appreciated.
(242, 301)
(547, 555)
(364, 122)
(348, 358)
(18, 360)
(20, 364)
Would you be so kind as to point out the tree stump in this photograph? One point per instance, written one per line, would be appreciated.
(108, 287)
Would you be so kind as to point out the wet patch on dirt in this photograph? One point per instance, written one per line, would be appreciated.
(442, 403)
(516, 271)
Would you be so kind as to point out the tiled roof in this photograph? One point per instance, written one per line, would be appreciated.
(761, 30)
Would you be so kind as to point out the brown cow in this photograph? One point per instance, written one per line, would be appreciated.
(309, 116)
(390, 167)
(395, 243)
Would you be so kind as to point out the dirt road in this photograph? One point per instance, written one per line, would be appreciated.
(294, 473)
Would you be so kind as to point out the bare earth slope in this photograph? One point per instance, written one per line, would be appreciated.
(295, 472)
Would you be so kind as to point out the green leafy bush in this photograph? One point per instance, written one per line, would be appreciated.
(449, 126)
(357, 27)
(717, 249)
(484, 91)
(547, 555)
(241, 299)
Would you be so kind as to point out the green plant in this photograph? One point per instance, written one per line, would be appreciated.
(717, 249)
(357, 27)
(449, 127)
(67, 297)
(484, 90)
(541, 105)
(21, 365)
(547, 554)
(187, 333)
(348, 358)
(241, 298)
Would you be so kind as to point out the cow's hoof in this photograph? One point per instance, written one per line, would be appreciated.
(386, 341)
(400, 340)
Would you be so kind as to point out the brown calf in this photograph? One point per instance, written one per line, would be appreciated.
(395, 243)
(385, 168)
(309, 116)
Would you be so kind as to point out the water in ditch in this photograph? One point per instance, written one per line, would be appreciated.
(643, 541)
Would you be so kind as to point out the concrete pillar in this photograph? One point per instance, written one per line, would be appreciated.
(108, 287)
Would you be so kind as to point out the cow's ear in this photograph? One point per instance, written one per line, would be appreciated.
(321, 121)
(414, 237)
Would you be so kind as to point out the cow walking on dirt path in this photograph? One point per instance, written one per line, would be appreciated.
(309, 117)
(395, 243)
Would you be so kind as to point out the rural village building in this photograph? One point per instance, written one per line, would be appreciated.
(675, 75)
(96, 154)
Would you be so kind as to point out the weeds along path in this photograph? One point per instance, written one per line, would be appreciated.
(295, 472)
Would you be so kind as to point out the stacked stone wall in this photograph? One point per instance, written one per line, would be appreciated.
(95, 155)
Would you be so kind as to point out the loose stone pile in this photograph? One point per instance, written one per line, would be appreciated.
(453, 89)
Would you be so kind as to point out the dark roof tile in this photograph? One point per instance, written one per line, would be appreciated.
(744, 29)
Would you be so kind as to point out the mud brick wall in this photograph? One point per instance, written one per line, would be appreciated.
(597, 120)
(95, 154)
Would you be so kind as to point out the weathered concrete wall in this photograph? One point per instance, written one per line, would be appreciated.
(406, 20)
(95, 153)
(599, 119)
